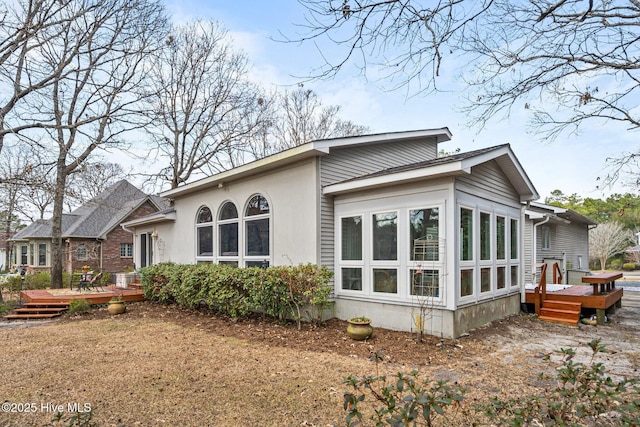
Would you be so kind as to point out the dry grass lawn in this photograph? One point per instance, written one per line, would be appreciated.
(157, 366)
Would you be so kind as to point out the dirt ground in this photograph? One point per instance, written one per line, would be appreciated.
(170, 361)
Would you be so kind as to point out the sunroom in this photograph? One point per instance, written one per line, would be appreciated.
(434, 247)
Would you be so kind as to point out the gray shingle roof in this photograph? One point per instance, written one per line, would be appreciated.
(95, 218)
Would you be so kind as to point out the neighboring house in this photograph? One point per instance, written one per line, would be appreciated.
(5, 242)
(556, 235)
(414, 240)
(92, 234)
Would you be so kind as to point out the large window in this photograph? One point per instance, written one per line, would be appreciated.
(501, 237)
(257, 232)
(424, 234)
(228, 234)
(514, 239)
(485, 236)
(466, 234)
(385, 236)
(204, 230)
(351, 252)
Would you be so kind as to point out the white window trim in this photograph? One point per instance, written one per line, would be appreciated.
(351, 263)
(198, 257)
(242, 261)
(228, 258)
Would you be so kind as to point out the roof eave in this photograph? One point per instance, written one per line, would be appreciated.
(449, 169)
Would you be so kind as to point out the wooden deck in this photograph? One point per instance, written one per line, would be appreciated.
(99, 296)
(583, 294)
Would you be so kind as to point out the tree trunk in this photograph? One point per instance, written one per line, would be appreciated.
(57, 249)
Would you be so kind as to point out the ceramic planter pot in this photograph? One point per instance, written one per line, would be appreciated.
(358, 329)
(116, 307)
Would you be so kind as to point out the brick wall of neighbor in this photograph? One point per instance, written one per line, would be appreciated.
(111, 260)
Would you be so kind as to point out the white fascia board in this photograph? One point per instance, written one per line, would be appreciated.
(310, 149)
(267, 163)
(151, 219)
(453, 168)
(511, 166)
(441, 135)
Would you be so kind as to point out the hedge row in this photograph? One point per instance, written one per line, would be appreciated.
(280, 291)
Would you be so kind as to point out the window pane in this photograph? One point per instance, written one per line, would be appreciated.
(258, 237)
(82, 252)
(466, 282)
(466, 235)
(228, 211)
(205, 241)
(257, 206)
(23, 255)
(500, 277)
(126, 250)
(204, 215)
(500, 237)
(231, 263)
(352, 238)
(42, 254)
(385, 236)
(352, 279)
(424, 225)
(514, 275)
(259, 264)
(229, 239)
(425, 283)
(485, 279)
(514, 239)
(485, 236)
(385, 280)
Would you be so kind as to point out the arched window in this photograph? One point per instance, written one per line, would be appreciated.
(204, 232)
(228, 234)
(256, 220)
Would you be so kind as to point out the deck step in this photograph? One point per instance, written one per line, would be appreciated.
(44, 310)
(562, 312)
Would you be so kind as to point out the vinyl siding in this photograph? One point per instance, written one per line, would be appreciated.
(489, 180)
(351, 162)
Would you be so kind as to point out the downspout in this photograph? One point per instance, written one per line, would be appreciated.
(133, 246)
(535, 245)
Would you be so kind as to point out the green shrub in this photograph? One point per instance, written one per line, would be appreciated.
(629, 266)
(79, 306)
(281, 292)
(6, 307)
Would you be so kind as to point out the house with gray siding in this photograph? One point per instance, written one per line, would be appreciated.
(416, 242)
(555, 235)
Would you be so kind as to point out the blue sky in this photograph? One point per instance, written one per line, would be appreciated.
(571, 163)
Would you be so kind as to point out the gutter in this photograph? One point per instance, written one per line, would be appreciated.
(546, 219)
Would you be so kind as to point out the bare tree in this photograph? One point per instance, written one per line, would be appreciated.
(93, 52)
(606, 240)
(564, 61)
(301, 117)
(92, 178)
(203, 105)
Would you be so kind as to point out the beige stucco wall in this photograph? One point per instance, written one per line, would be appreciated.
(292, 193)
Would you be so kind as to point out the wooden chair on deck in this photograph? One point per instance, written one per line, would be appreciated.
(93, 283)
